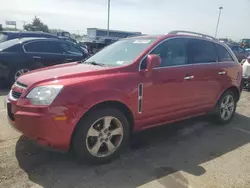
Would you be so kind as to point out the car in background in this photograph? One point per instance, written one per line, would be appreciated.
(245, 43)
(9, 35)
(19, 56)
(93, 107)
(246, 73)
(224, 39)
(239, 52)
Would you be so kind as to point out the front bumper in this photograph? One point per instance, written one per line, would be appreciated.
(43, 124)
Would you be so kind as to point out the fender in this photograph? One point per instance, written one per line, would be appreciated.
(233, 86)
(91, 99)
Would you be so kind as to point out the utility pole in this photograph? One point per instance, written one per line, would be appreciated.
(218, 22)
(108, 18)
(24, 23)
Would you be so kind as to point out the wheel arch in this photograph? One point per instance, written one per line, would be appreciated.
(235, 90)
(102, 105)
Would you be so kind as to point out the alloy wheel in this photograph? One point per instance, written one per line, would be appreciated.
(20, 73)
(227, 107)
(104, 136)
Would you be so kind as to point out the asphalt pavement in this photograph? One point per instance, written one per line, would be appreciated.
(193, 153)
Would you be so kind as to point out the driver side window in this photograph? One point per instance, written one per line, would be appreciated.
(172, 53)
(70, 49)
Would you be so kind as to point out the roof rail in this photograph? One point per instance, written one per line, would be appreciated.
(194, 33)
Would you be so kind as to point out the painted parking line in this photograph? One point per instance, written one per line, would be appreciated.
(242, 130)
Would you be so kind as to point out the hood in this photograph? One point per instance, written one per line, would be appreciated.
(69, 70)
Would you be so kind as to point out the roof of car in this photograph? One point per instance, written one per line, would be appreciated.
(27, 32)
(23, 40)
(18, 34)
(36, 38)
(17, 41)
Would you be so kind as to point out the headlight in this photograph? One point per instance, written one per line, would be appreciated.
(44, 95)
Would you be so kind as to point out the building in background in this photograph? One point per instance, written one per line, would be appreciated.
(105, 36)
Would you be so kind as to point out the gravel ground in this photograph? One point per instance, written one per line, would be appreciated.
(193, 153)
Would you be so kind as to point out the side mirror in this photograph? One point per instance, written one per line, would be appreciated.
(152, 61)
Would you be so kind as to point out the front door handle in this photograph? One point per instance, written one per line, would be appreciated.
(188, 77)
(69, 59)
(222, 72)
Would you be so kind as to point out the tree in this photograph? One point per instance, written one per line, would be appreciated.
(55, 31)
(36, 25)
(1, 27)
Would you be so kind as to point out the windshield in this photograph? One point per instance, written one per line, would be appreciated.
(3, 37)
(122, 52)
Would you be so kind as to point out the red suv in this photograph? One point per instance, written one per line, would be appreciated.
(136, 83)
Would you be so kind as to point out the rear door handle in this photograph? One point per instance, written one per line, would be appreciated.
(36, 57)
(222, 72)
(188, 77)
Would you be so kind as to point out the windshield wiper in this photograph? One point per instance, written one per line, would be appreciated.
(94, 63)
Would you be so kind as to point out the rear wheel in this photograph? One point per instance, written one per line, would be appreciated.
(101, 136)
(225, 108)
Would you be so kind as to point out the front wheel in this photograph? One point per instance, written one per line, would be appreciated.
(101, 136)
(16, 73)
(225, 108)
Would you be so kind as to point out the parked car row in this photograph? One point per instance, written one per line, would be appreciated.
(240, 52)
(245, 43)
(246, 73)
(19, 56)
(137, 83)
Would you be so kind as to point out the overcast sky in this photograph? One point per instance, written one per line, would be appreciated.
(147, 16)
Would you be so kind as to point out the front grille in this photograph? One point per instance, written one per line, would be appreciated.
(16, 95)
(17, 90)
(21, 84)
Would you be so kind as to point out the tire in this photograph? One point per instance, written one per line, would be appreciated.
(13, 74)
(85, 145)
(220, 107)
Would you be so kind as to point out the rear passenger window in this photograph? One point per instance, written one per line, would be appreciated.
(223, 54)
(201, 51)
(16, 49)
(44, 47)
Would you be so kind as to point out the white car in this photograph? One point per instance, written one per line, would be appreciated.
(246, 73)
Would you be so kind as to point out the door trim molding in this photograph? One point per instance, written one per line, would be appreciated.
(140, 97)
